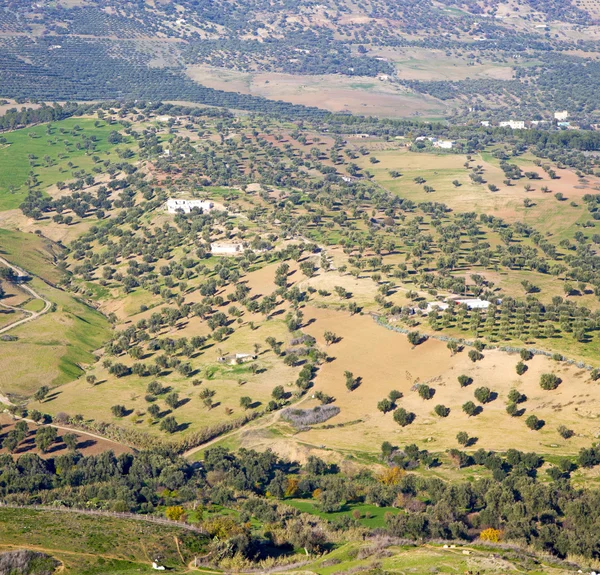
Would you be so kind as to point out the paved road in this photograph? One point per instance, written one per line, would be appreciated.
(31, 314)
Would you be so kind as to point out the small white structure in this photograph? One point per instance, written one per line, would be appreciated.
(226, 249)
(474, 303)
(186, 206)
(471, 303)
(561, 116)
(436, 305)
(485, 123)
(444, 144)
(513, 124)
(237, 358)
(157, 567)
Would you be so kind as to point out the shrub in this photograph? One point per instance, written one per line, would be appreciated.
(469, 408)
(475, 355)
(465, 380)
(70, 440)
(478, 345)
(492, 535)
(414, 338)
(425, 392)
(169, 424)
(395, 395)
(304, 417)
(483, 394)
(391, 476)
(521, 368)
(385, 405)
(442, 410)
(526, 355)
(35, 415)
(403, 417)
(533, 422)
(565, 432)
(45, 437)
(462, 437)
(514, 396)
(118, 410)
(154, 388)
(549, 381)
(172, 400)
(174, 513)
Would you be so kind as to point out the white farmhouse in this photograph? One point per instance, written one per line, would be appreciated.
(444, 144)
(237, 358)
(474, 303)
(471, 303)
(186, 206)
(513, 124)
(226, 249)
(561, 116)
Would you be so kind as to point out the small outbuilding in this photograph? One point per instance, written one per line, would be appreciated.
(226, 249)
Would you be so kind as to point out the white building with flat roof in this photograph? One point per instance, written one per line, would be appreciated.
(471, 303)
(186, 206)
(513, 124)
(444, 144)
(226, 249)
(561, 116)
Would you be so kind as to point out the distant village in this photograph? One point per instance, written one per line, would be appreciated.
(561, 118)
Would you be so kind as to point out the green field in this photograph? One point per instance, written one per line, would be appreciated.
(355, 558)
(35, 305)
(90, 545)
(371, 515)
(31, 252)
(47, 152)
(51, 349)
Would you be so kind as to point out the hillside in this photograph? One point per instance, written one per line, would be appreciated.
(299, 287)
(427, 58)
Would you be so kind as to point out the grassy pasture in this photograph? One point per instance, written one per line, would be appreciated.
(440, 170)
(58, 148)
(51, 350)
(90, 545)
(79, 397)
(31, 252)
(371, 515)
(355, 558)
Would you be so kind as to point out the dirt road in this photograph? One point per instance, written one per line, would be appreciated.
(31, 315)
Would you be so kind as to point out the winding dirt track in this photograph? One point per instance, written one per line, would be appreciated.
(31, 314)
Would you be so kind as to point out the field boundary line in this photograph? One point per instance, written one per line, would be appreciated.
(110, 514)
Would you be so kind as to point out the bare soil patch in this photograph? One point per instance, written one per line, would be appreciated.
(385, 360)
(86, 444)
